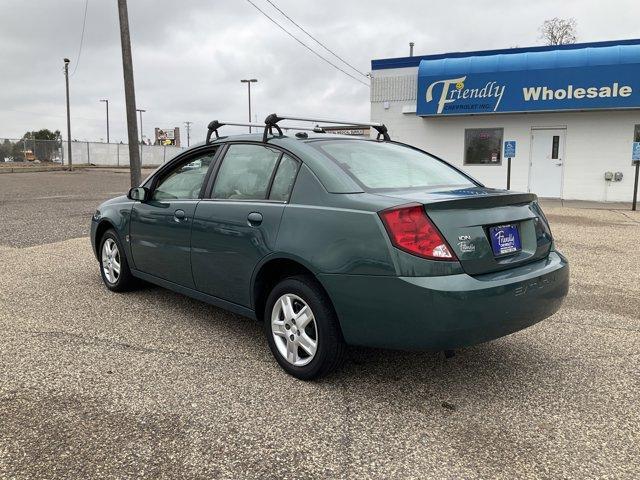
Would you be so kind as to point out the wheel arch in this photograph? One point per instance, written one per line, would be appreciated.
(274, 269)
(104, 225)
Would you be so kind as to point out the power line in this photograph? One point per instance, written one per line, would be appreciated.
(84, 23)
(316, 40)
(305, 45)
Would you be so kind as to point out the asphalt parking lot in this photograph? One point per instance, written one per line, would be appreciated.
(152, 384)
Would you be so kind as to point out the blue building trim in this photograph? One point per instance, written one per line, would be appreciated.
(405, 62)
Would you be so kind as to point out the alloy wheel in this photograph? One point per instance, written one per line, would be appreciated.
(110, 260)
(294, 330)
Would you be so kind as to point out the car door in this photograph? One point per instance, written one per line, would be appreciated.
(238, 224)
(160, 231)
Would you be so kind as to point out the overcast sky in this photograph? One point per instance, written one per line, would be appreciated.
(189, 55)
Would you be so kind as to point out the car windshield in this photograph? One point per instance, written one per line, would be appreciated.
(381, 165)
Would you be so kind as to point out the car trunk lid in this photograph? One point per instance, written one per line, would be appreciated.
(488, 229)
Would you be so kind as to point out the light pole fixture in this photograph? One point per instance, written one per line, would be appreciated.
(107, 103)
(141, 111)
(249, 81)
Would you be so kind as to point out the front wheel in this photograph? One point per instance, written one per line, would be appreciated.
(114, 268)
(302, 328)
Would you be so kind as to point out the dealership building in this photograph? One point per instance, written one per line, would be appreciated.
(570, 112)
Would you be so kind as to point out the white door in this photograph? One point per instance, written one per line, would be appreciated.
(547, 158)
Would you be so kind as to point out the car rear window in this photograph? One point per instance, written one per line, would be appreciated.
(381, 165)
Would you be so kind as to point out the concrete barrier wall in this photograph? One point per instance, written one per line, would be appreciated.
(117, 154)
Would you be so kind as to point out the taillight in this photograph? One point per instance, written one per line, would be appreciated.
(411, 230)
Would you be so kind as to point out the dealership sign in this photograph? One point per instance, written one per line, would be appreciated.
(528, 90)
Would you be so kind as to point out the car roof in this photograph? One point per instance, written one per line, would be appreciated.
(333, 178)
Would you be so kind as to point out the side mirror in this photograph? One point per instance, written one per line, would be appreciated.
(138, 193)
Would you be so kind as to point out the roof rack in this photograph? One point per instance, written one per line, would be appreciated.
(215, 125)
(273, 119)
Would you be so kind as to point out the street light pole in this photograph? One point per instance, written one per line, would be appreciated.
(107, 103)
(141, 111)
(66, 79)
(249, 81)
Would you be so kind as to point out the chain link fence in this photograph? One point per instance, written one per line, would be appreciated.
(26, 150)
(29, 150)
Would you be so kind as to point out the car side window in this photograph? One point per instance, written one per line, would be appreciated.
(245, 172)
(283, 181)
(185, 181)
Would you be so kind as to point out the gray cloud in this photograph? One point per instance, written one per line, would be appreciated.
(190, 55)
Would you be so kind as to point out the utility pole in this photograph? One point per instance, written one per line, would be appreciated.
(188, 125)
(129, 93)
(249, 81)
(66, 79)
(107, 103)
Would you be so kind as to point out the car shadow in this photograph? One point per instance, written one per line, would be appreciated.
(499, 365)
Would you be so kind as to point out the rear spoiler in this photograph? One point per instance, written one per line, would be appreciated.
(481, 200)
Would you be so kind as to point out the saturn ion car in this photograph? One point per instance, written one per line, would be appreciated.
(331, 241)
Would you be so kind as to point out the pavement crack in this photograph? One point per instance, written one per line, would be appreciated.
(624, 214)
(102, 341)
(92, 340)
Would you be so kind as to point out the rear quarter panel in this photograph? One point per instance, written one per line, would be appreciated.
(334, 233)
(343, 234)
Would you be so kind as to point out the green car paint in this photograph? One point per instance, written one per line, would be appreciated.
(331, 228)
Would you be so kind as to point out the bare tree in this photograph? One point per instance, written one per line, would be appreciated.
(558, 31)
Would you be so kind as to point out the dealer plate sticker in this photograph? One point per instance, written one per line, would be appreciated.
(505, 239)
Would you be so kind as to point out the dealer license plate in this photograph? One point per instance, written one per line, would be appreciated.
(505, 239)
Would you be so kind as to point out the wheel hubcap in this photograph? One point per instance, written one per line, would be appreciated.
(294, 330)
(110, 260)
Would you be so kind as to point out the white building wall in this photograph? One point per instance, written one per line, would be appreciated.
(596, 142)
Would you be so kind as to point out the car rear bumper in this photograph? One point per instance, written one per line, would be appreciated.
(446, 312)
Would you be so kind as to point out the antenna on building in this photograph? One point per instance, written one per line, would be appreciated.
(411, 44)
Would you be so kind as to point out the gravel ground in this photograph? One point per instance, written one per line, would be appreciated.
(152, 384)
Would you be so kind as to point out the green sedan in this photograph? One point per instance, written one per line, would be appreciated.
(331, 241)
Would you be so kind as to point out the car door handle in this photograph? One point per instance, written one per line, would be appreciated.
(254, 219)
(179, 215)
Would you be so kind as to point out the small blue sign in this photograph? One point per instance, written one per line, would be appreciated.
(635, 152)
(510, 149)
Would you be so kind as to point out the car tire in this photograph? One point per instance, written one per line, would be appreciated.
(292, 343)
(114, 267)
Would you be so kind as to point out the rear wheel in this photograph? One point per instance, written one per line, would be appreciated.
(114, 268)
(302, 329)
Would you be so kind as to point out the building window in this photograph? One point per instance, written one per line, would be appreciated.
(636, 134)
(483, 146)
(555, 147)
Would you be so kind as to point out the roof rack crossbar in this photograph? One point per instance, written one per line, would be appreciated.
(383, 133)
(213, 128)
(215, 125)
